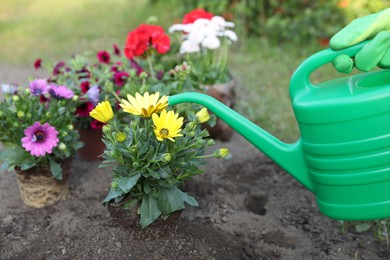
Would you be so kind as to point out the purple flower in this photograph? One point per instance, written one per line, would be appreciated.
(38, 87)
(8, 89)
(93, 94)
(60, 92)
(40, 139)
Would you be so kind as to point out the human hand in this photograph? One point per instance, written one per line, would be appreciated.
(375, 53)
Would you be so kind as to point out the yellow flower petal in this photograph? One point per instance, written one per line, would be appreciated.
(167, 125)
(144, 105)
(102, 112)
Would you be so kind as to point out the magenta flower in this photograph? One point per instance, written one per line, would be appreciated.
(120, 78)
(38, 64)
(40, 139)
(38, 87)
(57, 69)
(103, 57)
(116, 50)
(60, 92)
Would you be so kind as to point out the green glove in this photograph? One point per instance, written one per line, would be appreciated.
(374, 53)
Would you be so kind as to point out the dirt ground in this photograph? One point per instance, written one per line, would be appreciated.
(248, 209)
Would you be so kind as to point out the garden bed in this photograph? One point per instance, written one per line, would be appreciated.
(248, 209)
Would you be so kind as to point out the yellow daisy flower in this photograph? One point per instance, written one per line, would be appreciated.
(145, 105)
(202, 116)
(167, 125)
(102, 112)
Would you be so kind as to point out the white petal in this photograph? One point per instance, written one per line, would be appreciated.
(211, 42)
(177, 27)
(189, 47)
(231, 35)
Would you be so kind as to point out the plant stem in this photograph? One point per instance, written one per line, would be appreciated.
(151, 67)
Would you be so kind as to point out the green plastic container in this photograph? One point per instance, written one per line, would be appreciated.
(343, 154)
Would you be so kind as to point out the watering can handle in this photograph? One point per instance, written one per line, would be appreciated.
(301, 76)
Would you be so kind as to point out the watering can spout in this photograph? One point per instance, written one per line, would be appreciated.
(289, 157)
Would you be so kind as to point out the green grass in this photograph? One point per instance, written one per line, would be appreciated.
(54, 30)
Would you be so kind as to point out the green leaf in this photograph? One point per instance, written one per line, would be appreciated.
(149, 210)
(126, 183)
(170, 200)
(362, 227)
(153, 173)
(112, 194)
(130, 204)
(55, 169)
(189, 199)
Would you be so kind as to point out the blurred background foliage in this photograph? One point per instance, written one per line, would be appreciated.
(274, 37)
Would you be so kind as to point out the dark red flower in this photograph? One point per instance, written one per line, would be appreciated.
(160, 74)
(196, 14)
(144, 37)
(58, 67)
(103, 57)
(116, 50)
(84, 73)
(120, 78)
(84, 109)
(85, 85)
(43, 99)
(115, 67)
(136, 66)
(38, 64)
(97, 124)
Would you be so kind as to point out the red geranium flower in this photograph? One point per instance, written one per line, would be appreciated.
(120, 78)
(38, 64)
(103, 57)
(84, 109)
(196, 14)
(85, 85)
(145, 37)
(97, 124)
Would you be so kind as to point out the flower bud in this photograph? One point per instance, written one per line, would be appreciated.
(202, 116)
(15, 98)
(70, 127)
(20, 114)
(166, 157)
(75, 98)
(107, 129)
(114, 184)
(120, 137)
(62, 146)
(221, 153)
(64, 133)
(28, 115)
(133, 124)
(191, 134)
(151, 20)
(27, 91)
(48, 114)
(135, 165)
(210, 142)
(190, 126)
(143, 75)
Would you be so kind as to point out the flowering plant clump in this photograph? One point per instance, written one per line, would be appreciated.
(205, 39)
(153, 155)
(36, 126)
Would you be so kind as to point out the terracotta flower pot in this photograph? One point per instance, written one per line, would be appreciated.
(226, 94)
(38, 188)
(93, 145)
(130, 220)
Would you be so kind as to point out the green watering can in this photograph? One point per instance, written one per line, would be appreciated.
(343, 154)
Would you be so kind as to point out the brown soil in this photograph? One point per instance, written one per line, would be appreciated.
(248, 209)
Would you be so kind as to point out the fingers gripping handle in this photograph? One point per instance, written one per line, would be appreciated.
(301, 77)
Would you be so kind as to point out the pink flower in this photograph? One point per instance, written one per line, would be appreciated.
(120, 78)
(60, 92)
(40, 139)
(58, 67)
(116, 50)
(38, 64)
(103, 57)
(95, 124)
(84, 109)
(84, 86)
(38, 87)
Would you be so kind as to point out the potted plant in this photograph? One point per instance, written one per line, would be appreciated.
(204, 40)
(151, 157)
(39, 139)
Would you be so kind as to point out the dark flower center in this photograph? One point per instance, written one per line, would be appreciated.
(39, 137)
(164, 132)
